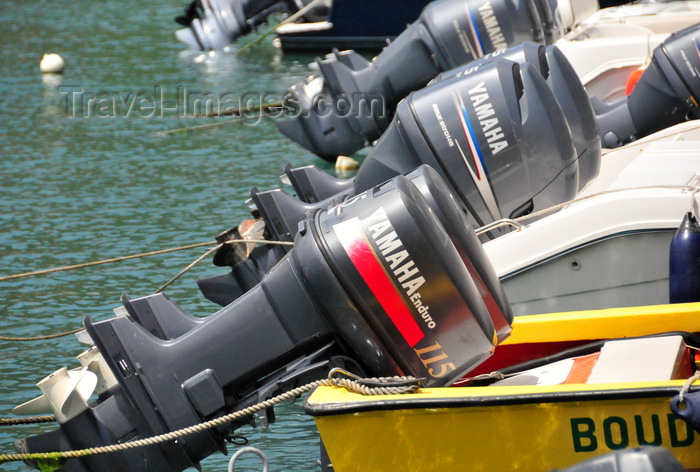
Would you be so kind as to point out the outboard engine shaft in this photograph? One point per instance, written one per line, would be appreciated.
(351, 102)
(666, 93)
(359, 288)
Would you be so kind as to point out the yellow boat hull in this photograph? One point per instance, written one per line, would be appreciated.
(491, 429)
(519, 428)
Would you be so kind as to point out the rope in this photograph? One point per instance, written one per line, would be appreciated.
(119, 259)
(246, 110)
(375, 386)
(353, 384)
(40, 338)
(495, 375)
(171, 132)
(167, 437)
(215, 248)
(688, 383)
(105, 261)
(236, 112)
(137, 256)
(27, 420)
(192, 264)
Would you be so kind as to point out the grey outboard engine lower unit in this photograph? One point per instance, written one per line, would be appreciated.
(667, 93)
(351, 103)
(375, 283)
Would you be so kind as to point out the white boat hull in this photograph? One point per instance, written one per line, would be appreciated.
(609, 248)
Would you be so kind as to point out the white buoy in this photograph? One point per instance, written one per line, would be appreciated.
(52, 64)
(346, 163)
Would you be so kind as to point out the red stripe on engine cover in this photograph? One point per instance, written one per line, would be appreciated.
(365, 260)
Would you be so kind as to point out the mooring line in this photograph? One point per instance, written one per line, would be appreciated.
(234, 121)
(382, 386)
(27, 420)
(247, 110)
(40, 338)
(119, 259)
(240, 115)
(105, 261)
(192, 264)
(137, 256)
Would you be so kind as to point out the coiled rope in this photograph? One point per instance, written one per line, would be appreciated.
(688, 383)
(384, 385)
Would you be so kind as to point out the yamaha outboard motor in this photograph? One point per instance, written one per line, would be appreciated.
(312, 184)
(667, 92)
(351, 102)
(496, 135)
(566, 87)
(282, 214)
(214, 24)
(375, 283)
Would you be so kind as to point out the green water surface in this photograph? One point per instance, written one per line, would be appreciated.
(86, 181)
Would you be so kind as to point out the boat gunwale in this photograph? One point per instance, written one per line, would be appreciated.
(416, 402)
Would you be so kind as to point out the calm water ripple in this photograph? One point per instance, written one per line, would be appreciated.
(75, 189)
